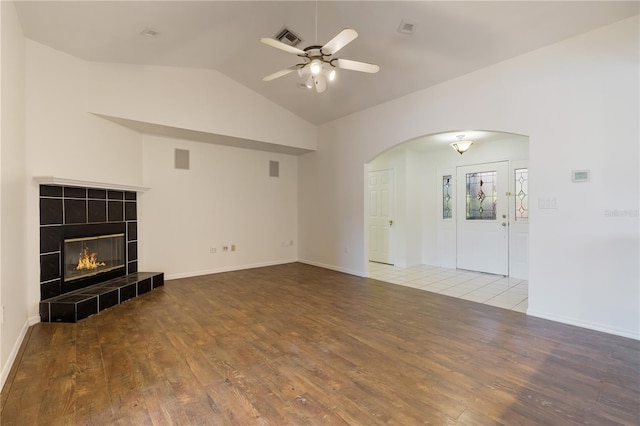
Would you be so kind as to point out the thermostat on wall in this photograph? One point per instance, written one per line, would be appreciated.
(580, 175)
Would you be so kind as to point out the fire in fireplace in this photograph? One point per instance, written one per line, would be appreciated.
(89, 256)
(88, 261)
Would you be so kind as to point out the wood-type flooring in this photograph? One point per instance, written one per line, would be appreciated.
(299, 345)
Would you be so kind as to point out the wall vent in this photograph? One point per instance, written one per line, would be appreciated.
(274, 169)
(182, 159)
(288, 37)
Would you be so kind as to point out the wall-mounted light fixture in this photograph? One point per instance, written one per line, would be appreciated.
(461, 146)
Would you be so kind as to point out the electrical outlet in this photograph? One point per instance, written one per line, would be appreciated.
(225, 248)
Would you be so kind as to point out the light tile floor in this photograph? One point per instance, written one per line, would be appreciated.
(495, 290)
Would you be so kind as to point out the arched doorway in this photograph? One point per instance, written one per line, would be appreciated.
(430, 224)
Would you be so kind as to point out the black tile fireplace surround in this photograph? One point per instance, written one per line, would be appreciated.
(70, 212)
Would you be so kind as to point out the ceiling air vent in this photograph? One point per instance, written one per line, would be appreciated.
(150, 32)
(406, 27)
(287, 36)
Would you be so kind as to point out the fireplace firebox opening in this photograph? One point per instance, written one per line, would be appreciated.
(90, 256)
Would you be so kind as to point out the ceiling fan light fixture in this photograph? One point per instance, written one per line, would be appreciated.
(320, 83)
(315, 66)
(462, 145)
(309, 82)
(331, 75)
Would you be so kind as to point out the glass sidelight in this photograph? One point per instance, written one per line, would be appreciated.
(522, 194)
(447, 210)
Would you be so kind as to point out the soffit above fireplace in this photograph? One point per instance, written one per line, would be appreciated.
(54, 180)
(155, 129)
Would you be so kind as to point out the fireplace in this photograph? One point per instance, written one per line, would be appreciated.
(91, 253)
(88, 251)
(74, 213)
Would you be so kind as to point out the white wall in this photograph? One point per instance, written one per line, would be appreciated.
(194, 99)
(13, 281)
(572, 99)
(416, 184)
(226, 197)
(60, 132)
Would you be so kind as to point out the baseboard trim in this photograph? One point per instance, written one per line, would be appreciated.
(227, 269)
(583, 324)
(334, 268)
(16, 348)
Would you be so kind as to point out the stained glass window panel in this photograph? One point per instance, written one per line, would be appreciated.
(522, 194)
(446, 197)
(481, 195)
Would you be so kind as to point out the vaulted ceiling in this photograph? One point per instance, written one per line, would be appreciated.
(450, 39)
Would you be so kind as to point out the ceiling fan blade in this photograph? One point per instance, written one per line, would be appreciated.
(343, 38)
(280, 45)
(348, 64)
(280, 73)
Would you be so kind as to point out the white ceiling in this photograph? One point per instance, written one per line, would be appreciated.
(451, 38)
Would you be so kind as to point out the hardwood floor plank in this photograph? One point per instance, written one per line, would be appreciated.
(300, 345)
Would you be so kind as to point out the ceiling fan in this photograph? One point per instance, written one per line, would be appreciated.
(318, 65)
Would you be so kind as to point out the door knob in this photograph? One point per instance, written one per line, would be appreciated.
(504, 223)
(391, 223)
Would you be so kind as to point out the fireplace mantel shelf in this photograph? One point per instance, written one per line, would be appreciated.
(54, 180)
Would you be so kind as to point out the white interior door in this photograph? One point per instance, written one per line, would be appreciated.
(483, 218)
(381, 198)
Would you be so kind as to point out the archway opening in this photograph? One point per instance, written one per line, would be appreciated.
(418, 201)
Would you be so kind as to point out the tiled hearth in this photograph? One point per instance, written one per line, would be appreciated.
(63, 210)
(77, 305)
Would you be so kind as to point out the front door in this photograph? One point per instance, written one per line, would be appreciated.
(483, 218)
(381, 200)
